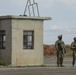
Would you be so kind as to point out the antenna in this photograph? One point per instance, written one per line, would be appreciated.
(30, 6)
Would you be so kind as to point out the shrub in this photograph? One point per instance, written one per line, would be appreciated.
(50, 50)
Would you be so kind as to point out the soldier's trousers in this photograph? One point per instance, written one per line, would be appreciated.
(60, 56)
(74, 57)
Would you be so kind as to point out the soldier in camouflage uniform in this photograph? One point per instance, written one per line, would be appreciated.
(60, 48)
(73, 48)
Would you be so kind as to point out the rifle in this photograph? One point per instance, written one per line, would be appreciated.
(61, 48)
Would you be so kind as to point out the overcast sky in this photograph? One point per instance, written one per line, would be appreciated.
(63, 13)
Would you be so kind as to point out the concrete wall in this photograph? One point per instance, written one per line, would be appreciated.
(14, 53)
(23, 57)
(5, 54)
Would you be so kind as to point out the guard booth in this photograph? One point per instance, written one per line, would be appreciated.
(21, 40)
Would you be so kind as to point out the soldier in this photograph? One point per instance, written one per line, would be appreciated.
(60, 48)
(73, 48)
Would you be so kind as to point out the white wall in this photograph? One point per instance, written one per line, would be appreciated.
(22, 56)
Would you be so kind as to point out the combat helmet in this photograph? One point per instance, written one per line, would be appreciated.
(60, 37)
(75, 38)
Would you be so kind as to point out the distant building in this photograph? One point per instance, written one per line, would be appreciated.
(21, 40)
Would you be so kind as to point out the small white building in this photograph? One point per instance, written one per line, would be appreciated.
(21, 40)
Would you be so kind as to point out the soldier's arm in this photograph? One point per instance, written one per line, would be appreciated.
(72, 46)
(56, 45)
(64, 47)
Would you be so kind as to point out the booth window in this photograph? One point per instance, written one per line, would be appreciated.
(28, 39)
(2, 39)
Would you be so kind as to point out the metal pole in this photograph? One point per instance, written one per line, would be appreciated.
(29, 2)
(29, 10)
(25, 8)
(33, 10)
(33, 1)
(37, 9)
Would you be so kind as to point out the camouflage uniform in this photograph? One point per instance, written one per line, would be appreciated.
(73, 48)
(60, 48)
